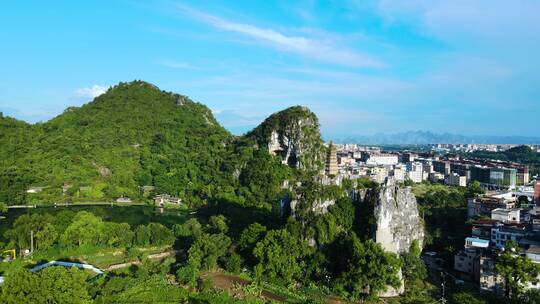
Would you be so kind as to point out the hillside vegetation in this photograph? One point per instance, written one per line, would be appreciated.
(136, 138)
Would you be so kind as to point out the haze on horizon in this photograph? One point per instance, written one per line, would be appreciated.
(363, 67)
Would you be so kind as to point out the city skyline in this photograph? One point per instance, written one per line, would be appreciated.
(363, 67)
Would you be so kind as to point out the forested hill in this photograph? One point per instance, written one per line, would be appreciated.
(137, 135)
(131, 136)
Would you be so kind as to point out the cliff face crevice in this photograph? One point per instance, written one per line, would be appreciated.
(294, 135)
(396, 222)
(397, 219)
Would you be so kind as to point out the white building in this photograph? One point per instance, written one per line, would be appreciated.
(506, 215)
(533, 253)
(415, 172)
(382, 159)
(378, 174)
(455, 179)
(435, 177)
(399, 173)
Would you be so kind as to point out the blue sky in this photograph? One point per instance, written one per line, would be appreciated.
(461, 66)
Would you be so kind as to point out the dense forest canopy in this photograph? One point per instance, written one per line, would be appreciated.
(133, 136)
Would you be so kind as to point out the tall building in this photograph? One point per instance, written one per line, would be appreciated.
(522, 175)
(455, 179)
(331, 160)
(537, 193)
(415, 172)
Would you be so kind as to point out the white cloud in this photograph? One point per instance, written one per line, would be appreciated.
(310, 47)
(91, 92)
(489, 20)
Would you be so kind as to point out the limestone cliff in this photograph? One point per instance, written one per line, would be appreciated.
(397, 219)
(294, 135)
(397, 222)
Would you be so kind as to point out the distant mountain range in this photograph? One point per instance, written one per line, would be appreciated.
(426, 137)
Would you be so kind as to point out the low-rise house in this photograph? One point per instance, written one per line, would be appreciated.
(489, 281)
(35, 189)
(466, 263)
(534, 219)
(506, 215)
(123, 199)
(482, 206)
(472, 242)
(482, 228)
(533, 253)
(163, 199)
(503, 233)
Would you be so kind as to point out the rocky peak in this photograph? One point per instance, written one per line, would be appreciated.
(294, 135)
(398, 221)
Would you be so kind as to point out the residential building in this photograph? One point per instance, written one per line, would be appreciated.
(380, 159)
(482, 228)
(466, 262)
(378, 174)
(35, 189)
(473, 242)
(482, 206)
(408, 157)
(398, 172)
(455, 179)
(435, 177)
(442, 167)
(163, 199)
(506, 215)
(522, 175)
(500, 234)
(489, 280)
(534, 219)
(415, 172)
(533, 253)
(537, 193)
(123, 199)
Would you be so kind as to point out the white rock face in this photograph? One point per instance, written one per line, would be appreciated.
(398, 223)
(297, 148)
(397, 218)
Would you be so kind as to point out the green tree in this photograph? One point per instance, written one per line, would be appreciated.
(474, 189)
(46, 238)
(191, 228)
(161, 235)
(24, 225)
(86, 229)
(250, 236)
(280, 256)
(516, 270)
(413, 265)
(362, 268)
(465, 298)
(218, 224)
(117, 234)
(531, 296)
(51, 285)
(206, 251)
(187, 275)
(233, 263)
(143, 235)
(3, 207)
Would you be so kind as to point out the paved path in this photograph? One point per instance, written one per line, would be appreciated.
(67, 264)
